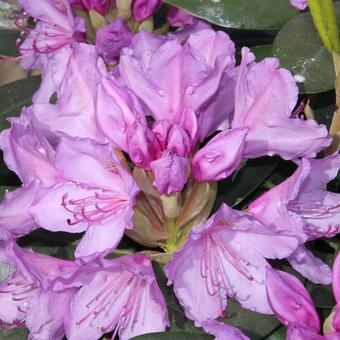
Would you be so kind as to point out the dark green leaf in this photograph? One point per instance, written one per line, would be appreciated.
(278, 334)
(14, 96)
(262, 51)
(300, 49)
(7, 42)
(245, 14)
(256, 326)
(19, 333)
(237, 188)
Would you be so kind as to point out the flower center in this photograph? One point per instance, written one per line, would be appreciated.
(94, 208)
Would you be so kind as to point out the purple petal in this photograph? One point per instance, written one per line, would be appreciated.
(190, 287)
(112, 38)
(143, 147)
(177, 17)
(170, 172)
(143, 9)
(15, 213)
(223, 331)
(297, 332)
(213, 161)
(94, 165)
(48, 210)
(74, 111)
(310, 266)
(100, 239)
(123, 296)
(27, 152)
(322, 171)
(272, 207)
(287, 137)
(290, 300)
(46, 313)
(116, 111)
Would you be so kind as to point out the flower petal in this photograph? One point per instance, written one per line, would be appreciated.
(310, 266)
(223, 331)
(213, 161)
(290, 300)
(170, 172)
(100, 239)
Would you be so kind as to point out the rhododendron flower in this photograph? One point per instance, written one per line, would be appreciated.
(260, 106)
(182, 109)
(112, 38)
(119, 295)
(27, 295)
(96, 195)
(52, 297)
(226, 257)
(294, 307)
(300, 204)
(299, 4)
(264, 115)
(30, 155)
(55, 28)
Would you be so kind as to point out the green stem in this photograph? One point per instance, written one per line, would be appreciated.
(324, 19)
(171, 228)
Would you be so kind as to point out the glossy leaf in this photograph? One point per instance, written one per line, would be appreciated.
(245, 14)
(238, 187)
(300, 49)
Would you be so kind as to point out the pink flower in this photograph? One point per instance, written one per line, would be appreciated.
(301, 205)
(96, 195)
(260, 106)
(182, 114)
(27, 292)
(226, 257)
(52, 297)
(119, 295)
(55, 28)
(29, 154)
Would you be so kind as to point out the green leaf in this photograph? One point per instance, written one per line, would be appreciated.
(235, 189)
(14, 96)
(300, 49)
(18, 333)
(245, 14)
(278, 334)
(256, 326)
(7, 42)
(262, 51)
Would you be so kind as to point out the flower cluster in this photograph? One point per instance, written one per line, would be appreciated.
(129, 133)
